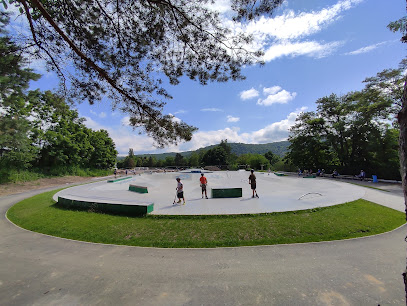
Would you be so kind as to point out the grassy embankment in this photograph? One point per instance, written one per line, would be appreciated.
(16, 176)
(355, 219)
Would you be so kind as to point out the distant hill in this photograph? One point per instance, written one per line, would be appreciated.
(279, 148)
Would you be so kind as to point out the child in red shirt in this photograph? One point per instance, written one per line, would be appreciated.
(204, 182)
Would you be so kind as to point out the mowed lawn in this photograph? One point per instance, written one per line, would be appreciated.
(350, 220)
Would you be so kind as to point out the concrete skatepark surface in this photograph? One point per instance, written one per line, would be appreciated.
(37, 269)
(277, 193)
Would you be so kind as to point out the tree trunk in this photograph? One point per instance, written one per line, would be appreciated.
(402, 120)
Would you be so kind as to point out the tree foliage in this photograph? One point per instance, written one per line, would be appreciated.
(353, 131)
(128, 50)
(219, 155)
(271, 157)
(38, 129)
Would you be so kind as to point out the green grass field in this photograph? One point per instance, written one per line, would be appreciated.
(350, 220)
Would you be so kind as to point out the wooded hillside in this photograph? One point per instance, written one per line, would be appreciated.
(279, 148)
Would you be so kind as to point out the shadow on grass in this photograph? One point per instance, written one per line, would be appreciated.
(187, 217)
(95, 210)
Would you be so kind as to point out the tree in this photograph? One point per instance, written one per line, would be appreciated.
(349, 133)
(253, 160)
(152, 161)
(308, 146)
(194, 160)
(38, 128)
(66, 143)
(103, 153)
(179, 160)
(124, 49)
(224, 144)
(271, 157)
(129, 163)
(169, 161)
(257, 160)
(401, 26)
(216, 156)
(16, 150)
(389, 84)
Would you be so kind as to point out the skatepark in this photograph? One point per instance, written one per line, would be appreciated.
(277, 193)
(45, 270)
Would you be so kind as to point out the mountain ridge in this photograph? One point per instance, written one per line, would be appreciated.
(279, 148)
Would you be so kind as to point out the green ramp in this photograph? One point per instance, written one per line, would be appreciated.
(104, 207)
(119, 179)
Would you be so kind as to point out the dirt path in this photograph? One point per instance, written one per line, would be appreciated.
(13, 188)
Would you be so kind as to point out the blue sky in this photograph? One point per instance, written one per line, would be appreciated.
(312, 48)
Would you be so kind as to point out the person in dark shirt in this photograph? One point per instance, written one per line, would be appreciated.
(252, 182)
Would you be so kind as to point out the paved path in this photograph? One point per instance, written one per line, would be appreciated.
(40, 270)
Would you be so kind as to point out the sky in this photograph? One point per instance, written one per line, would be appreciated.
(313, 48)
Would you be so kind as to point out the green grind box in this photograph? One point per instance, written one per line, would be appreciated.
(226, 192)
(139, 189)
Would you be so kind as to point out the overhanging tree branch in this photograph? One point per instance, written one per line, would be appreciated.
(101, 72)
(37, 43)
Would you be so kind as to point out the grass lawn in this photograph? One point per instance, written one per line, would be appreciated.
(354, 219)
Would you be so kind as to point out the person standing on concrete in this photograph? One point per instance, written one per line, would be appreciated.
(180, 191)
(252, 182)
(203, 182)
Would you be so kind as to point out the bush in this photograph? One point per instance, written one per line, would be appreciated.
(16, 176)
(281, 166)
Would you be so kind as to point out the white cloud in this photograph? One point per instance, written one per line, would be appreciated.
(366, 49)
(293, 49)
(125, 121)
(287, 33)
(211, 110)
(92, 124)
(277, 131)
(249, 94)
(100, 115)
(275, 94)
(271, 90)
(232, 119)
(206, 138)
(281, 97)
(181, 111)
(175, 119)
(125, 137)
(291, 25)
(221, 6)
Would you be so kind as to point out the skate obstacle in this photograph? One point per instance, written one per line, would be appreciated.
(119, 179)
(93, 204)
(226, 192)
(138, 189)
